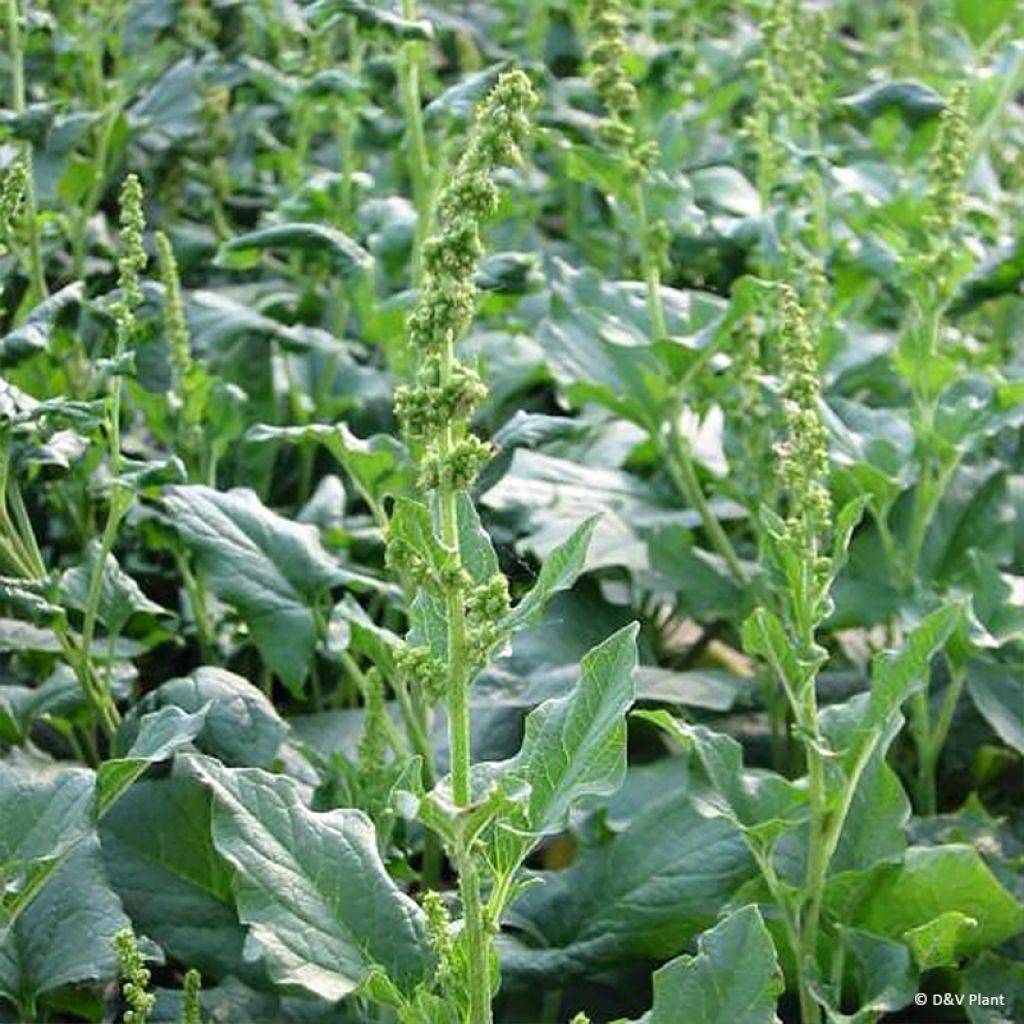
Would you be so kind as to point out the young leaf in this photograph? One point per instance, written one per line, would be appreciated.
(575, 746)
(160, 734)
(559, 572)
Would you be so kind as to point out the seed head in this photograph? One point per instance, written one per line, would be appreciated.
(134, 978)
(607, 55)
(191, 1011)
(132, 260)
(175, 325)
(945, 198)
(803, 456)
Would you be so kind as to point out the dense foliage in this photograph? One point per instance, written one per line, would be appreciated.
(511, 511)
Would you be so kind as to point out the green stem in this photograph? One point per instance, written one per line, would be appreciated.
(37, 275)
(478, 949)
(649, 262)
(417, 154)
(681, 469)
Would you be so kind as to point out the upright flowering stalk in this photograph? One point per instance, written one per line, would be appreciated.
(16, 57)
(800, 546)
(435, 414)
(130, 264)
(134, 978)
(617, 93)
(938, 271)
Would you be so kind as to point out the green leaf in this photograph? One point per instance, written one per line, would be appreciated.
(160, 735)
(120, 596)
(761, 803)
(895, 675)
(379, 465)
(735, 977)
(893, 899)
(311, 886)
(981, 20)
(161, 860)
(883, 976)
(935, 944)
(992, 976)
(36, 332)
(559, 572)
(642, 894)
(66, 934)
(373, 17)
(345, 256)
(272, 570)
(914, 102)
(47, 810)
(575, 746)
(998, 693)
(242, 728)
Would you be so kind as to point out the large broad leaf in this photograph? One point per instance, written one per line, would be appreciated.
(35, 333)
(65, 935)
(550, 497)
(371, 17)
(317, 898)
(47, 810)
(642, 894)
(378, 465)
(914, 102)
(161, 861)
(272, 570)
(894, 899)
(345, 256)
(735, 977)
(242, 728)
(998, 693)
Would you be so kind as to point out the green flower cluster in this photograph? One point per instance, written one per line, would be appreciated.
(191, 1012)
(790, 74)
(132, 260)
(134, 978)
(435, 411)
(803, 457)
(373, 742)
(945, 198)
(13, 186)
(607, 57)
(175, 325)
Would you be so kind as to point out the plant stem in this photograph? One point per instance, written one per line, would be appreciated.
(649, 263)
(459, 734)
(417, 154)
(681, 469)
(478, 948)
(37, 276)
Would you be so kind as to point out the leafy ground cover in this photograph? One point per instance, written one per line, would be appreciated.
(511, 511)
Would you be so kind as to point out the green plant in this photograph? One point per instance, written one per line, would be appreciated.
(423, 418)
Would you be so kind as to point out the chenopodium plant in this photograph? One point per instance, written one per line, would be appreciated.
(320, 905)
(802, 834)
(489, 816)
